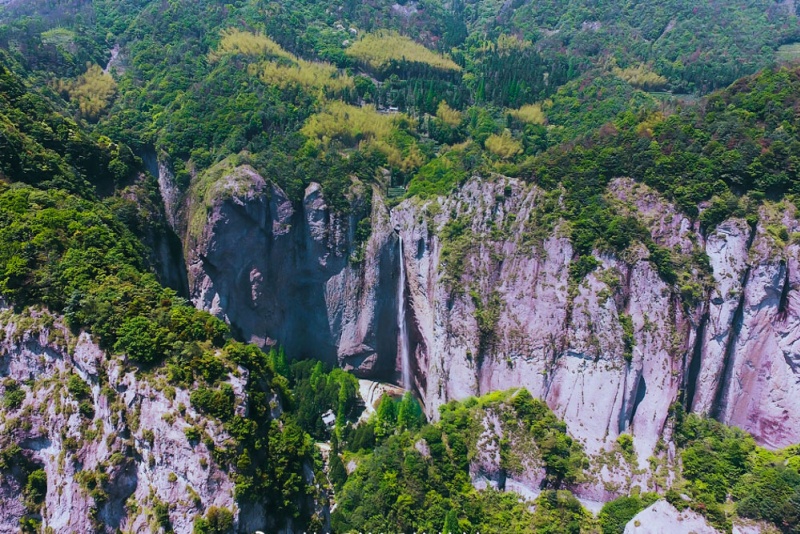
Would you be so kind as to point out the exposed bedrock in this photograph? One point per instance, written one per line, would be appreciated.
(123, 434)
(490, 304)
(288, 274)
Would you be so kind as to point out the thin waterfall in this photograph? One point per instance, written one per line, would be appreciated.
(402, 341)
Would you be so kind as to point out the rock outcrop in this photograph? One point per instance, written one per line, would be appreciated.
(491, 303)
(663, 518)
(111, 443)
(286, 273)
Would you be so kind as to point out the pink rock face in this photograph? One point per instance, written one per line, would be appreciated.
(735, 353)
(762, 386)
(566, 349)
(490, 304)
(727, 249)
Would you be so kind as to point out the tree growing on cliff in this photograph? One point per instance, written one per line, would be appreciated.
(409, 413)
(386, 417)
(217, 521)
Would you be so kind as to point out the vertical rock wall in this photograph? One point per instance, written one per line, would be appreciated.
(491, 304)
(107, 467)
(287, 274)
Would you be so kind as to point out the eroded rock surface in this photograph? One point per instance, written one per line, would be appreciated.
(491, 305)
(663, 518)
(112, 453)
(285, 273)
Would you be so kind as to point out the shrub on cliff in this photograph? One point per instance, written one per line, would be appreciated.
(559, 512)
(617, 513)
(141, 339)
(219, 403)
(217, 521)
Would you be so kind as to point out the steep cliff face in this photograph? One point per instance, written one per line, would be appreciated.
(760, 382)
(491, 303)
(90, 444)
(158, 222)
(285, 273)
(512, 316)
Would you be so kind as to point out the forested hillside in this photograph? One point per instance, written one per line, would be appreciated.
(226, 229)
(180, 63)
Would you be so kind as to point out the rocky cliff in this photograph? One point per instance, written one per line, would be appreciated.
(89, 443)
(280, 272)
(495, 307)
(663, 518)
(491, 303)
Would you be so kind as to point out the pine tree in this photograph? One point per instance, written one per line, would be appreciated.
(451, 523)
(337, 472)
(409, 414)
(387, 416)
(277, 358)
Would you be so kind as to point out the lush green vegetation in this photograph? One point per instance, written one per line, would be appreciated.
(303, 72)
(281, 87)
(722, 463)
(676, 37)
(567, 95)
(40, 146)
(418, 478)
(316, 391)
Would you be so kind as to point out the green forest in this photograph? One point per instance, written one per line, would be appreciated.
(698, 100)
